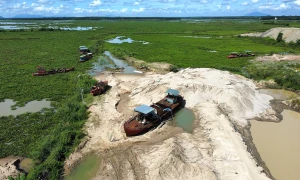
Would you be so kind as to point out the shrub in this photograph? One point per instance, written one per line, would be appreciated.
(173, 68)
(279, 37)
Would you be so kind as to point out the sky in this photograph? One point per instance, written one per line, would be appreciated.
(147, 8)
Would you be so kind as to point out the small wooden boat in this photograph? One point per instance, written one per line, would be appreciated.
(83, 50)
(149, 117)
(42, 72)
(99, 88)
(85, 57)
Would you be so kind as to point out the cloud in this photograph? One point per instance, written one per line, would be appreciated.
(79, 10)
(255, 1)
(245, 3)
(95, 3)
(138, 10)
(109, 1)
(297, 2)
(123, 10)
(282, 6)
(276, 8)
(228, 7)
(43, 1)
(166, 1)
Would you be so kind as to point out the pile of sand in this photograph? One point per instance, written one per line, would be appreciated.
(8, 167)
(278, 57)
(215, 150)
(289, 34)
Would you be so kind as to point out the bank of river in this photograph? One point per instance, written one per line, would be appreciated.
(278, 143)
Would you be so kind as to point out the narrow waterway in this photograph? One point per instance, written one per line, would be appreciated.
(279, 145)
(121, 63)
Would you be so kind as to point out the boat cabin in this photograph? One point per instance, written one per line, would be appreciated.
(145, 113)
(172, 95)
(83, 49)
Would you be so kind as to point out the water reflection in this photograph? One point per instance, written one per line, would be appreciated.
(76, 28)
(7, 22)
(122, 39)
(120, 63)
(101, 65)
(12, 27)
(203, 37)
(33, 106)
(109, 62)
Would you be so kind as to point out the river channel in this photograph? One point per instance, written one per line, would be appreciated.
(278, 143)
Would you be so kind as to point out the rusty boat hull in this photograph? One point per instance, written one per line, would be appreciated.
(99, 88)
(134, 127)
(42, 72)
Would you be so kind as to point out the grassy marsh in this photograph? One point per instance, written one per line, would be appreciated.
(50, 137)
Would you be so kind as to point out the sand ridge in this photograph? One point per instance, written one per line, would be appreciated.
(215, 150)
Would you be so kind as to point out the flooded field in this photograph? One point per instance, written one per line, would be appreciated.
(120, 63)
(32, 106)
(123, 39)
(279, 145)
(109, 62)
(7, 25)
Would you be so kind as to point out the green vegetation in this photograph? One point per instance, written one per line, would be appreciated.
(49, 137)
(283, 74)
(279, 37)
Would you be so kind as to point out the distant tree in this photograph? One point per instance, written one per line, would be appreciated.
(279, 37)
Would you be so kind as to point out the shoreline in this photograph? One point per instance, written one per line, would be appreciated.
(125, 85)
(113, 141)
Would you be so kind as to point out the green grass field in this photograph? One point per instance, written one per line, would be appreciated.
(50, 137)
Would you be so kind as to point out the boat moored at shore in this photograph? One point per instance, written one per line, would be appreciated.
(149, 117)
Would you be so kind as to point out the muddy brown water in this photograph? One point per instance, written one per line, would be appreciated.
(278, 143)
(26, 164)
(278, 93)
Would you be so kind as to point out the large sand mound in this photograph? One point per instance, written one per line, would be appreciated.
(215, 150)
(289, 34)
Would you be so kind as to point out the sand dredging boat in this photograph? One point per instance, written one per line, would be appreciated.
(149, 117)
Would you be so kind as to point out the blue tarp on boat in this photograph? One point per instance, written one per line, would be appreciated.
(144, 109)
(173, 92)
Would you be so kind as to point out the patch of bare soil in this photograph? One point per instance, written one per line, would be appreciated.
(8, 167)
(158, 67)
(278, 57)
